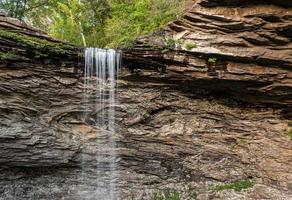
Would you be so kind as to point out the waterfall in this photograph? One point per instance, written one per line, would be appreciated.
(100, 75)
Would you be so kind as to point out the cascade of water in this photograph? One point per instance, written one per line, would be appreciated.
(100, 75)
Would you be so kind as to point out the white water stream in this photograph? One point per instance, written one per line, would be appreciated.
(100, 75)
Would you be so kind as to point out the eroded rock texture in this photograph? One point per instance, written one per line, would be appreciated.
(21, 43)
(173, 128)
(165, 139)
(243, 51)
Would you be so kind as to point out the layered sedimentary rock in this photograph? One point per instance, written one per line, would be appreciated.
(178, 125)
(165, 140)
(20, 42)
(244, 51)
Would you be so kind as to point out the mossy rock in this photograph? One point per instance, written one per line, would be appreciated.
(7, 56)
(237, 185)
(39, 47)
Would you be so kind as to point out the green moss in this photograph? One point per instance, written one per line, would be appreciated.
(38, 54)
(40, 47)
(212, 60)
(237, 185)
(6, 56)
(191, 45)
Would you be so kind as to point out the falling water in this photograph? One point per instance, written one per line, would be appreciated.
(100, 75)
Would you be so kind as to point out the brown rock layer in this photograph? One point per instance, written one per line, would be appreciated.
(20, 42)
(285, 3)
(245, 52)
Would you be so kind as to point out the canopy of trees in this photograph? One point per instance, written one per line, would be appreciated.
(102, 23)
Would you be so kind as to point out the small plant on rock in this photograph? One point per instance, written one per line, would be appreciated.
(166, 195)
(170, 43)
(212, 60)
(237, 185)
(6, 56)
(191, 45)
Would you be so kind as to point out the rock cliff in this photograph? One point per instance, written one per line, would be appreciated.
(205, 102)
(243, 50)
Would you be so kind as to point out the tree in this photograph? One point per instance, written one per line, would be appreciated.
(130, 19)
(97, 23)
(14, 8)
(77, 21)
(80, 22)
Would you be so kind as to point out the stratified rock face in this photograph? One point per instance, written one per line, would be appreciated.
(165, 139)
(172, 130)
(31, 61)
(20, 42)
(245, 51)
(285, 3)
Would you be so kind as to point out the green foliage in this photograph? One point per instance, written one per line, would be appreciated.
(6, 56)
(170, 43)
(80, 22)
(131, 19)
(40, 47)
(14, 8)
(237, 185)
(102, 23)
(212, 60)
(191, 45)
(24, 9)
(77, 21)
(166, 195)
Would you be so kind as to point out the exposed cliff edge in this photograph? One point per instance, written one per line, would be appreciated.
(175, 131)
(21, 43)
(243, 51)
